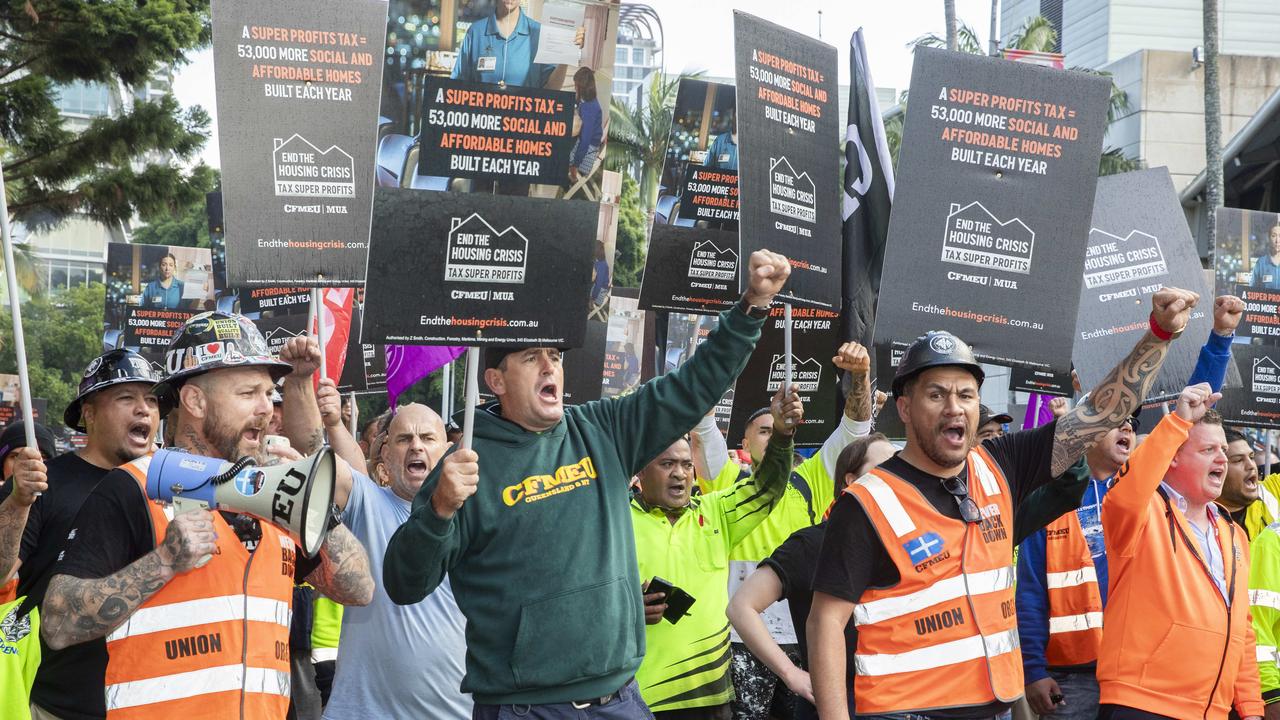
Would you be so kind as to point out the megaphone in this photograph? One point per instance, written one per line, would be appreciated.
(295, 498)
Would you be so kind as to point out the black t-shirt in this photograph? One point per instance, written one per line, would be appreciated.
(853, 559)
(59, 685)
(112, 530)
(794, 562)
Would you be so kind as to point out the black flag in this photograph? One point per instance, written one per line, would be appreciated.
(868, 196)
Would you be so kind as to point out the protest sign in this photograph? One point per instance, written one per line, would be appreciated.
(690, 270)
(693, 260)
(814, 341)
(1256, 401)
(280, 329)
(788, 174)
(1139, 243)
(485, 269)
(477, 130)
(152, 290)
(297, 87)
(624, 344)
(992, 208)
(1045, 382)
(275, 299)
(582, 366)
(1247, 261)
(366, 367)
(11, 411)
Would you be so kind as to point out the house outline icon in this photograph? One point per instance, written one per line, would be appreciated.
(1153, 268)
(336, 187)
(484, 272)
(713, 273)
(1269, 385)
(993, 255)
(795, 207)
(777, 368)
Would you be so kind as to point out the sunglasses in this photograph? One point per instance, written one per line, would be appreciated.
(960, 491)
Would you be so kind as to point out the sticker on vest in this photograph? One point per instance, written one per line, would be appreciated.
(14, 628)
(992, 525)
(926, 550)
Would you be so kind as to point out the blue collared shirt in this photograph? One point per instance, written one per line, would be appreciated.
(486, 56)
(1208, 539)
(724, 153)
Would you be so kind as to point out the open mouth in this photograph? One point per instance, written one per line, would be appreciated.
(416, 467)
(252, 435)
(1251, 482)
(1217, 476)
(549, 392)
(954, 434)
(1124, 443)
(140, 433)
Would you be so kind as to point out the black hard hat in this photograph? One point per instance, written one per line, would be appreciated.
(211, 341)
(113, 367)
(936, 348)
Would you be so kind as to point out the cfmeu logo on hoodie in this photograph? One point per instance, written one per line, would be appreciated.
(566, 478)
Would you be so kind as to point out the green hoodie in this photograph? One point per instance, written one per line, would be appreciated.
(542, 559)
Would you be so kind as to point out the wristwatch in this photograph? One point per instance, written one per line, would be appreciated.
(753, 311)
(335, 517)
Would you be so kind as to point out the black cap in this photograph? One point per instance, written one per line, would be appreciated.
(114, 367)
(211, 341)
(14, 436)
(936, 348)
(985, 416)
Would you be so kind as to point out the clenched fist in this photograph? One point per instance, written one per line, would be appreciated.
(1171, 308)
(1194, 401)
(787, 410)
(29, 478)
(853, 358)
(767, 272)
(303, 353)
(1227, 311)
(459, 479)
(329, 401)
(189, 541)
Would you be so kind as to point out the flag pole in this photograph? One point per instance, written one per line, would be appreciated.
(473, 392)
(355, 414)
(786, 348)
(15, 306)
(446, 391)
(317, 298)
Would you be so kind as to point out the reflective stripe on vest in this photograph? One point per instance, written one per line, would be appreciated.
(946, 634)
(1265, 598)
(1073, 600)
(1270, 502)
(214, 641)
(168, 688)
(1267, 654)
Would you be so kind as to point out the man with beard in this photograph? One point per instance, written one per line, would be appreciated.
(919, 550)
(686, 541)
(1241, 487)
(195, 607)
(115, 407)
(533, 523)
(1062, 569)
(423, 641)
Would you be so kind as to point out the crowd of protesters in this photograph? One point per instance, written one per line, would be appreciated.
(618, 560)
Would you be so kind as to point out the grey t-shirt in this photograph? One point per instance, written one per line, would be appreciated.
(396, 661)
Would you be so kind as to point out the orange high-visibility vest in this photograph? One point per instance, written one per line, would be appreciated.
(214, 641)
(1075, 604)
(9, 591)
(946, 634)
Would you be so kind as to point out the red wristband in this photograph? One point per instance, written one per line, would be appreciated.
(1158, 331)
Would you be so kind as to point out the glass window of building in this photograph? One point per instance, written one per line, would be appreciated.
(620, 56)
(637, 56)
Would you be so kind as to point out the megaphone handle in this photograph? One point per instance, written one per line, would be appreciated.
(183, 505)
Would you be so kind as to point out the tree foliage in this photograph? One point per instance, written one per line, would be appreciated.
(63, 333)
(116, 167)
(628, 268)
(190, 228)
(640, 135)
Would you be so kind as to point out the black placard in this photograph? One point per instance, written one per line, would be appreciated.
(470, 269)
(366, 366)
(297, 90)
(1256, 402)
(1139, 242)
(582, 366)
(789, 170)
(481, 130)
(275, 299)
(992, 209)
(710, 195)
(278, 329)
(815, 337)
(151, 291)
(1248, 266)
(1045, 382)
(11, 411)
(690, 270)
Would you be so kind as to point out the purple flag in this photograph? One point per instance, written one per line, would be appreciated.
(407, 364)
(1038, 411)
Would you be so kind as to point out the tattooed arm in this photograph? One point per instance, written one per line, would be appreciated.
(29, 480)
(1124, 388)
(76, 610)
(302, 423)
(343, 575)
(854, 359)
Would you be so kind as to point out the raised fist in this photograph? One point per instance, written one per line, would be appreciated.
(853, 358)
(1171, 308)
(459, 480)
(767, 272)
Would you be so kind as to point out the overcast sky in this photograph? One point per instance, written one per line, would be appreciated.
(699, 36)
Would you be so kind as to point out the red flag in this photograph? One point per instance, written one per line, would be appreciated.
(335, 304)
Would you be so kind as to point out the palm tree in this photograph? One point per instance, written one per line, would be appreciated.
(27, 265)
(1212, 123)
(639, 136)
(949, 11)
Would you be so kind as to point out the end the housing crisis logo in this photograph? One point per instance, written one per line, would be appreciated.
(709, 262)
(302, 169)
(1112, 260)
(806, 375)
(791, 194)
(974, 236)
(1266, 376)
(479, 253)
